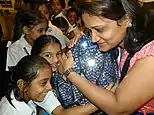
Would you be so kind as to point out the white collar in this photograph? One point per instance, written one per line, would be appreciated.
(27, 109)
(24, 43)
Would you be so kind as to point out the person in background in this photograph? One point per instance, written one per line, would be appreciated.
(72, 16)
(57, 7)
(41, 6)
(62, 24)
(72, 4)
(32, 25)
(126, 24)
(30, 88)
(75, 20)
(23, 5)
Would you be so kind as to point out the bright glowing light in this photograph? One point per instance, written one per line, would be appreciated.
(91, 62)
(84, 44)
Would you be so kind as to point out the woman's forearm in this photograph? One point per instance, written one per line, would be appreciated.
(94, 93)
(81, 110)
(77, 110)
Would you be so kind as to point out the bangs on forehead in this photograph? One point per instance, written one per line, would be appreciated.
(101, 17)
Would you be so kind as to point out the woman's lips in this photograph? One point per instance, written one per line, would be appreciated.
(101, 44)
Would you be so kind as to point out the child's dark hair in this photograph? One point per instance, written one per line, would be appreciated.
(70, 2)
(62, 3)
(73, 10)
(26, 18)
(41, 42)
(26, 69)
(60, 22)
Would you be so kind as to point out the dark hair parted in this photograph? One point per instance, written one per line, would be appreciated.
(42, 42)
(26, 18)
(60, 22)
(26, 69)
(142, 28)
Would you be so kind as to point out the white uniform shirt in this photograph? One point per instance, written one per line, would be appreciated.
(21, 108)
(16, 51)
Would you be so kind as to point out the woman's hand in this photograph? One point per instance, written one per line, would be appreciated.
(66, 62)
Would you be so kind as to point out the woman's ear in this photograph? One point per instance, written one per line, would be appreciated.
(21, 84)
(125, 21)
(26, 30)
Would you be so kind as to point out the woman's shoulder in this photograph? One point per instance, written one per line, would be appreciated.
(147, 50)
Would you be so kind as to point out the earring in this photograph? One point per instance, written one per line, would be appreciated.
(125, 18)
(128, 19)
(129, 24)
(135, 40)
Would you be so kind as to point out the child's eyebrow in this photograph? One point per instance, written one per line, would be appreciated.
(45, 79)
(46, 52)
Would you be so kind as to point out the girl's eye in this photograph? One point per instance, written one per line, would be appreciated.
(59, 53)
(46, 12)
(47, 56)
(58, 4)
(40, 30)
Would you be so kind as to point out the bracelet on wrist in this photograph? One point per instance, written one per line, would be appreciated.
(68, 71)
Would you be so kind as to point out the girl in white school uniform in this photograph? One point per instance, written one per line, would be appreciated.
(31, 25)
(30, 88)
(41, 6)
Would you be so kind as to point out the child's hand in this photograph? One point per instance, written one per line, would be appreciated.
(112, 87)
(76, 38)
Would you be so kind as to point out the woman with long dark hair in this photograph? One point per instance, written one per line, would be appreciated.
(121, 23)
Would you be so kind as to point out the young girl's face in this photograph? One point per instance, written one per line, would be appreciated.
(37, 30)
(44, 10)
(40, 86)
(56, 7)
(52, 53)
(72, 17)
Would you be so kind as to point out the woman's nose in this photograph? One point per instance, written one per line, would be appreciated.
(94, 36)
